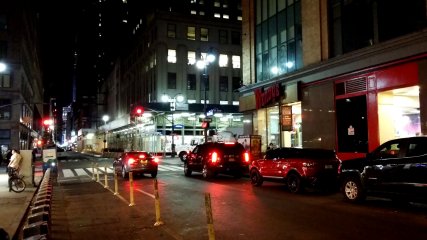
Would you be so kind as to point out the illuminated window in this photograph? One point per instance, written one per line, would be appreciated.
(223, 102)
(172, 55)
(236, 103)
(193, 12)
(225, 16)
(201, 13)
(239, 18)
(191, 33)
(217, 15)
(204, 34)
(171, 30)
(217, 4)
(191, 56)
(236, 61)
(223, 60)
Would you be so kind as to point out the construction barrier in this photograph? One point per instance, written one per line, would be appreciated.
(38, 222)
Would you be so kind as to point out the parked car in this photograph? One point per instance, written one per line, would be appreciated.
(137, 162)
(397, 169)
(212, 158)
(297, 168)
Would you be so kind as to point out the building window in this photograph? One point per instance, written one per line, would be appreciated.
(201, 13)
(278, 38)
(3, 23)
(204, 34)
(223, 84)
(191, 56)
(217, 4)
(236, 61)
(191, 81)
(225, 16)
(235, 38)
(217, 15)
(5, 111)
(223, 36)
(172, 55)
(171, 30)
(223, 60)
(191, 33)
(237, 83)
(204, 82)
(171, 80)
(193, 12)
(5, 81)
(4, 134)
(3, 49)
(239, 18)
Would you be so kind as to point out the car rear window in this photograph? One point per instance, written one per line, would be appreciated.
(229, 148)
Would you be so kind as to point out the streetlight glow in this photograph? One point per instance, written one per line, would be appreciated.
(3, 67)
(105, 118)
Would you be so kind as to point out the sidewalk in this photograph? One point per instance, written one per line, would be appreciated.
(13, 206)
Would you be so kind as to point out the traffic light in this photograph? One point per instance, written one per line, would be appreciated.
(205, 125)
(138, 111)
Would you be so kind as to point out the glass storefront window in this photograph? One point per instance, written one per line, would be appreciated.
(273, 127)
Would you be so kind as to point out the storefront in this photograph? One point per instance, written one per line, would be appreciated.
(351, 113)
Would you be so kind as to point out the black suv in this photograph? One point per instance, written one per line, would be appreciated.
(212, 158)
(397, 169)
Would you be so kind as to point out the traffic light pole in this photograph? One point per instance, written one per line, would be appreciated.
(205, 109)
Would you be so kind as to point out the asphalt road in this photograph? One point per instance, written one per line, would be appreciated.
(241, 211)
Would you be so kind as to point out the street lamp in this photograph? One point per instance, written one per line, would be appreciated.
(203, 63)
(3, 67)
(172, 101)
(105, 118)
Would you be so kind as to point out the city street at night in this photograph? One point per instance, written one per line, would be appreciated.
(85, 209)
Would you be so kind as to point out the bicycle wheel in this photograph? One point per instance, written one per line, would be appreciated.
(18, 185)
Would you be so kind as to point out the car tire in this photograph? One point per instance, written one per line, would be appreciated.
(125, 175)
(256, 178)
(207, 172)
(352, 189)
(154, 174)
(182, 155)
(294, 184)
(187, 170)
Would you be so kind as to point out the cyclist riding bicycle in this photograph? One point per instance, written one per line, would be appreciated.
(14, 165)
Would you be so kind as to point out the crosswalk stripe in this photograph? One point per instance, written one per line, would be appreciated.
(81, 172)
(67, 173)
(101, 170)
(170, 168)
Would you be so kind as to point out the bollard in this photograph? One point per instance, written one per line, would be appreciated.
(211, 232)
(105, 178)
(97, 173)
(93, 171)
(116, 184)
(132, 202)
(157, 204)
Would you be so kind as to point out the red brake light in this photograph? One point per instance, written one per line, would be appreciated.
(131, 161)
(246, 157)
(229, 143)
(156, 160)
(141, 156)
(214, 157)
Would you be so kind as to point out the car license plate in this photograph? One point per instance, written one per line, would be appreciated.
(328, 166)
(144, 162)
(231, 159)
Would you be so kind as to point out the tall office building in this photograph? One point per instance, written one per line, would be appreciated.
(337, 74)
(21, 85)
(158, 67)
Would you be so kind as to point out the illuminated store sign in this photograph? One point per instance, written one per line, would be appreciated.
(263, 98)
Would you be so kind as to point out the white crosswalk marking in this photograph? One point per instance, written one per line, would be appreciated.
(67, 173)
(81, 172)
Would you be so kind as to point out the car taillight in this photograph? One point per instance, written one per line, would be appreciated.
(131, 161)
(246, 157)
(214, 157)
(142, 156)
(156, 160)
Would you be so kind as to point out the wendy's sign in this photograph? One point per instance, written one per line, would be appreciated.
(263, 98)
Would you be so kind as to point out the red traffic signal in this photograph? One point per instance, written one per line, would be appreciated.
(138, 110)
(205, 125)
